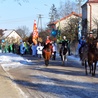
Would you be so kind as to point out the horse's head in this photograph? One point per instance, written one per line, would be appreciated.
(96, 47)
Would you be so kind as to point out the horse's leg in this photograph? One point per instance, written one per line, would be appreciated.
(95, 65)
(48, 56)
(90, 65)
(94, 68)
(83, 62)
(63, 59)
(86, 67)
(46, 62)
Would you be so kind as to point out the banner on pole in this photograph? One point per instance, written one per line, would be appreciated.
(35, 33)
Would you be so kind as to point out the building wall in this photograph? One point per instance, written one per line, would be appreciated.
(84, 11)
(94, 14)
(90, 15)
(63, 23)
(14, 34)
(13, 37)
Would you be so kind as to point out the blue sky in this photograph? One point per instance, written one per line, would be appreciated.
(13, 15)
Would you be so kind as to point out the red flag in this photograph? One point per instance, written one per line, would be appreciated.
(35, 32)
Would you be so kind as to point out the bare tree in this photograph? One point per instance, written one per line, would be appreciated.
(23, 31)
(79, 3)
(66, 8)
(53, 13)
(95, 20)
(71, 30)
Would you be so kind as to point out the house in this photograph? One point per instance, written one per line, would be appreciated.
(90, 16)
(10, 36)
(63, 22)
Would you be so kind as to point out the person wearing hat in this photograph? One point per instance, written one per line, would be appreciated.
(90, 38)
(48, 40)
(82, 43)
(65, 41)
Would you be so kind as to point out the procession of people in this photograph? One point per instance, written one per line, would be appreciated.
(36, 49)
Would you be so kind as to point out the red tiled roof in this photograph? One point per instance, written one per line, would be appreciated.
(92, 1)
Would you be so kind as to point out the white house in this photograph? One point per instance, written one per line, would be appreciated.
(63, 22)
(90, 16)
(11, 36)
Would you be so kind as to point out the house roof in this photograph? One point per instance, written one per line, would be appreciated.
(90, 1)
(6, 33)
(73, 13)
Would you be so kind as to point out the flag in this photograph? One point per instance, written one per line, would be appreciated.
(35, 30)
(35, 33)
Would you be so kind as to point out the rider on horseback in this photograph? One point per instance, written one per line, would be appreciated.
(64, 43)
(90, 38)
(48, 40)
(82, 42)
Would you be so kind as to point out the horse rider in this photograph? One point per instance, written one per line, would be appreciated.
(64, 43)
(48, 40)
(82, 42)
(90, 39)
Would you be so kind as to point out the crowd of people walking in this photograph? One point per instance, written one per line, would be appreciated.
(33, 49)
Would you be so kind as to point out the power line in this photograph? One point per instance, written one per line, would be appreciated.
(21, 19)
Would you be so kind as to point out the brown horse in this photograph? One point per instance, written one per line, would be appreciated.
(84, 56)
(90, 57)
(47, 52)
(93, 57)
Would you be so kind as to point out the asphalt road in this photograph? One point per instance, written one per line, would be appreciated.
(55, 81)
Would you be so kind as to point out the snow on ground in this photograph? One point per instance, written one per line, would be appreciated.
(10, 60)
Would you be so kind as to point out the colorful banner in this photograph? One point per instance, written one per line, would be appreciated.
(35, 33)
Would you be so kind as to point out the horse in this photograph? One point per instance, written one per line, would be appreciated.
(83, 53)
(47, 53)
(63, 52)
(93, 57)
(90, 57)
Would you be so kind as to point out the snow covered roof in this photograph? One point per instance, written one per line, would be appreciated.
(6, 33)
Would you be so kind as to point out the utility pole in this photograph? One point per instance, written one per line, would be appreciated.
(39, 21)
